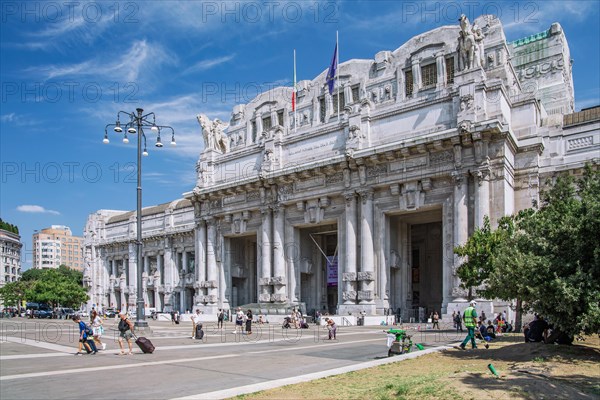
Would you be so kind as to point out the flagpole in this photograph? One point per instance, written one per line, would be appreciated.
(294, 94)
(337, 73)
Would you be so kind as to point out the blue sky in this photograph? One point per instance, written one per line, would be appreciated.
(68, 68)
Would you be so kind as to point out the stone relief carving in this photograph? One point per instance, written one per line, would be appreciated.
(238, 112)
(334, 178)
(348, 276)
(541, 69)
(394, 259)
(264, 298)
(277, 280)
(269, 162)
(348, 295)
(278, 297)
(212, 132)
(466, 103)
(365, 295)
(366, 276)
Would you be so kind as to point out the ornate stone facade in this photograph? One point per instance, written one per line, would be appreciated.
(358, 211)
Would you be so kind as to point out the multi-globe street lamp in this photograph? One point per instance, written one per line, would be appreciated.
(135, 124)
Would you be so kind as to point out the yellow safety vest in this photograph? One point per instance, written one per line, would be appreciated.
(468, 317)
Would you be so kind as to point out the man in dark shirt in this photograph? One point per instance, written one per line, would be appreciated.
(538, 330)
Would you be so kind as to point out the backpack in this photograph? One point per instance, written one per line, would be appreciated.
(87, 330)
(123, 325)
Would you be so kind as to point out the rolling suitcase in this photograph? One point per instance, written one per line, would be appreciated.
(144, 344)
(199, 332)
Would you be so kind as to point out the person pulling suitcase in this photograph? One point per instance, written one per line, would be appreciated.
(125, 332)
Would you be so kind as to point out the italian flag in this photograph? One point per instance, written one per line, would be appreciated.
(294, 88)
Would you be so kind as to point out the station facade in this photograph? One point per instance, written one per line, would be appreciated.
(357, 207)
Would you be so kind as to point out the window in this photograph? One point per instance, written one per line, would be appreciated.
(280, 117)
(429, 75)
(322, 111)
(450, 70)
(334, 102)
(355, 94)
(266, 123)
(254, 131)
(408, 82)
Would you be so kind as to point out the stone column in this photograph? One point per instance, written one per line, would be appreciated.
(461, 219)
(401, 88)
(225, 274)
(182, 293)
(366, 274)
(279, 275)
(292, 258)
(200, 246)
(211, 260)
(169, 268)
(349, 276)
(146, 263)
(160, 266)
(440, 62)
(265, 256)
(482, 196)
(259, 125)
(416, 72)
(145, 275)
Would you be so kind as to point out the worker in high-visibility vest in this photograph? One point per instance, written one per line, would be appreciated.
(470, 320)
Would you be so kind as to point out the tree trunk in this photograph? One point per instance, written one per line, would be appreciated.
(470, 295)
(518, 317)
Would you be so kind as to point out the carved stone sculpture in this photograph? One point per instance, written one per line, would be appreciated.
(212, 132)
(470, 44)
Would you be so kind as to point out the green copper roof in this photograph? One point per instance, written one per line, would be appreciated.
(532, 38)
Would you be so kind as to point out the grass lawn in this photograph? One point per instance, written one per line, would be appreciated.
(527, 371)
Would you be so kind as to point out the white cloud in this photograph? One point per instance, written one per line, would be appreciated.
(36, 209)
(210, 63)
(141, 55)
(8, 117)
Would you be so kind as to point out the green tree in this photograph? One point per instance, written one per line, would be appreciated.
(552, 262)
(55, 286)
(477, 253)
(13, 293)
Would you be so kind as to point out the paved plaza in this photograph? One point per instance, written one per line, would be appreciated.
(37, 359)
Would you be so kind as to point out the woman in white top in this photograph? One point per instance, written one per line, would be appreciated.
(98, 329)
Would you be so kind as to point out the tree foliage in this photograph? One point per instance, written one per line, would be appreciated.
(13, 293)
(9, 227)
(549, 258)
(477, 253)
(53, 286)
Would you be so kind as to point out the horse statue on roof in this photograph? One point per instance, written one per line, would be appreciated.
(470, 44)
(212, 132)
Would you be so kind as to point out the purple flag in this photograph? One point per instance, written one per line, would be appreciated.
(332, 71)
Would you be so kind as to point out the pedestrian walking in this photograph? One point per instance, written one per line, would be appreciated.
(220, 318)
(470, 319)
(249, 322)
(125, 333)
(436, 320)
(332, 327)
(239, 320)
(97, 329)
(458, 322)
(85, 335)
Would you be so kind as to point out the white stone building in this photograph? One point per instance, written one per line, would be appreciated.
(358, 211)
(10, 257)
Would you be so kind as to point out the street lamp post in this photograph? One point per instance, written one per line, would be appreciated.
(137, 122)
